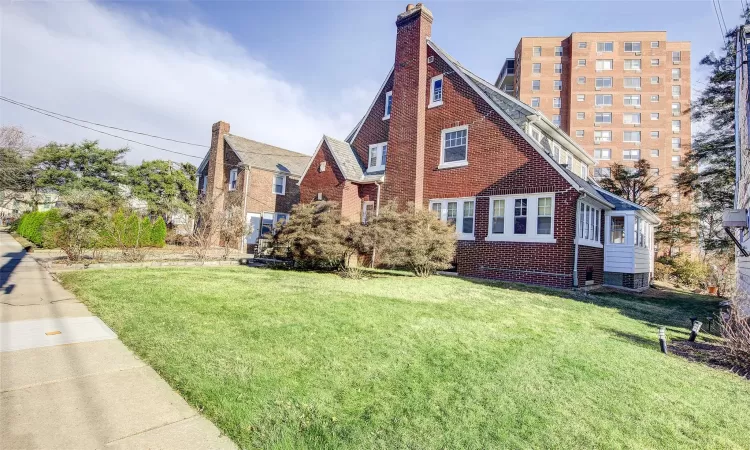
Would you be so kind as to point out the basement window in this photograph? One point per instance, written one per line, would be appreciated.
(436, 91)
(279, 184)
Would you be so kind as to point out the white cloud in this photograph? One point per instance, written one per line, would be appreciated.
(157, 75)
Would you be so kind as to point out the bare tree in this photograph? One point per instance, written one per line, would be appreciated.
(233, 226)
(16, 176)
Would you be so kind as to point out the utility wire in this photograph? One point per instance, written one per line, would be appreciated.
(97, 124)
(723, 34)
(726, 30)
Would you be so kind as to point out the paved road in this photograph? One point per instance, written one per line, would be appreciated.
(80, 388)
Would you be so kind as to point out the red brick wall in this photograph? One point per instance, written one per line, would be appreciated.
(374, 129)
(351, 205)
(260, 196)
(330, 182)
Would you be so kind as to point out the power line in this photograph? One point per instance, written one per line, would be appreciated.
(98, 124)
(726, 30)
(723, 34)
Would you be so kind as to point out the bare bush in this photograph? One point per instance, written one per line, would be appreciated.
(315, 236)
(204, 230)
(735, 328)
(233, 226)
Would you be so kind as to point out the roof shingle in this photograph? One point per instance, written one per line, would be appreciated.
(264, 156)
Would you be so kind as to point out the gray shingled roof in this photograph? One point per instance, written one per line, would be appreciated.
(588, 188)
(264, 156)
(348, 161)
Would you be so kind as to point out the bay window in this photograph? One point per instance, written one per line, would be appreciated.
(532, 218)
(457, 212)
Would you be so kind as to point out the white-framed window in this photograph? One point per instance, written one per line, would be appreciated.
(556, 152)
(632, 82)
(602, 47)
(602, 153)
(580, 115)
(631, 118)
(458, 212)
(603, 117)
(655, 154)
(631, 136)
(279, 184)
(535, 102)
(631, 155)
(377, 156)
(654, 80)
(676, 126)
(589, 229)
(388, 105)
(584, 171)
(454, 147)
(676, 57)
(580, 97)
(654, 44)
(639, 232)
(558, 51)
(581, 63)
(583, 44)
(655, 98)
(603, 64)
(556, 119)
(616, 230)
(654, 135)
(537, 51)
(632, 64)
(676, 91)
(536, 68)
(675, 109)
(322, 166)
(632, 100)
(581, 80)
(655, 62)
(603, 100)
(632, 47)
(602, 136)
(535, 85)
(654, 116)
(579, 133)
(602, 172)
(436, 91)
(676, 74)
(556, 102)
(654, 171)
(233, 179)
(603, 82)
(557, 85)
(676, 143)
(558, 68)
(522, 218)
(536, 134)
(270, 222)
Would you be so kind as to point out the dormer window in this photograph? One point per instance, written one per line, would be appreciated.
(436, 91)
(376, 157)
(233, 179)
(388, 105)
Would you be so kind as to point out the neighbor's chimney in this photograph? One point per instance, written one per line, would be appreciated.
(216, 183)
(405, 164)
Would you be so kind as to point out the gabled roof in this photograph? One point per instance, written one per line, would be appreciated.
(350, 138)
(347, 161)
(263, 156)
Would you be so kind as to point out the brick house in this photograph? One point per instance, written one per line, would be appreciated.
(516, 187)
(266, 176)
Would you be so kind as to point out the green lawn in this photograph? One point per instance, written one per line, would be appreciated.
(281, 359)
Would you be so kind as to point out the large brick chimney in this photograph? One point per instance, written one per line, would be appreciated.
(216, 185)
(405, 163)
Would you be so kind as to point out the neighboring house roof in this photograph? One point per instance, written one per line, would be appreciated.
(347, 161)
(263, 156)
(622, 204)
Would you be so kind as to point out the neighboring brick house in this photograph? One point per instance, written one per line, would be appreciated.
(514, 184)
(267, 176)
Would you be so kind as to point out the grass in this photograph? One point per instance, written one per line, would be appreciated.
(281, 359)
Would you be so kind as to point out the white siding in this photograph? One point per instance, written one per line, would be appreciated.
(642, 256)
(618, 258)
(626, 258)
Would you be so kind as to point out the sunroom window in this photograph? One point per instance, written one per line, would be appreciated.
(589, 229)
(617, 230)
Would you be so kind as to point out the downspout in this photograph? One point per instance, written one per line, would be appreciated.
(377, 201)
(244, 206)
(575, 240)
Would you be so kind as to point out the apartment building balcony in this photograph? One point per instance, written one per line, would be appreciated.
(506, 79)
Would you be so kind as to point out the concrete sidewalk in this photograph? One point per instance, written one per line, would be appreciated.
(92, 393)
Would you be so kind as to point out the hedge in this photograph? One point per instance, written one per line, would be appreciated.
(31, 225)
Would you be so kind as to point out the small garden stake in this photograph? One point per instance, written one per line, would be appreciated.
(663, 340)
(694, 332)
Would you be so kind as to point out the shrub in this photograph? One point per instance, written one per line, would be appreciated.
(159, 233)
(146, 230)
(314, 236)
(735, 328)
(128, 233)
(75, 226)
(662, 271)
(690, 272)
(31, 226)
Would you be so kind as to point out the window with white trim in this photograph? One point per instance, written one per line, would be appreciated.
(581, 63)
(535, 102)
(632, 64)
(233, 179)
(602, 172)
(676, 90)
(522, 218)
(557, 85)
(377, 156)
(556, 119)
(602, 136)
(654, 135)
(581, 80)
(602, 117)
(457, 212)
(655, 98)
(655, 62)
(454, 151)
(603, 64)
(632, 82)
(676, 57)
(556, 102)
(580, 115)
(605, 47)
(536, 68)
(558, 68)
(603, 82)
(675, 109)
(388, 105)
(631, 155)
(558, 51)
(603, 100)
(632, 47)
(579, 133)
(279, 184)
(631, 118)
(676, 143)
(676, 126)
(584, 171)
(602, 153)
(535, 85)
(583, 44)
(631, 136)
(654, 80)
(580, 97)
(589, 229)
(676, 74)
(654, 44)
(537, 51)
(436, 91)
(616, 230)
(654, 116)
(632, 100)
(655, 170)
(655, 154)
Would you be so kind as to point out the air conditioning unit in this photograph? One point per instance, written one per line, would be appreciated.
(637, 89)
(637, 106)
(735, 218)
(637, 53)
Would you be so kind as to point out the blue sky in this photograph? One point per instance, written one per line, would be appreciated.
(281, 72)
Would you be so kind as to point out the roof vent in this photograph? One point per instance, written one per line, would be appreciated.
(430, 59)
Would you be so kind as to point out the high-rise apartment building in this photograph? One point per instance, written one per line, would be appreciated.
(622, 96)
